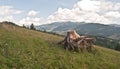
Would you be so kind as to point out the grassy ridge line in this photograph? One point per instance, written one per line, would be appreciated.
(30, 33)
(22, 48)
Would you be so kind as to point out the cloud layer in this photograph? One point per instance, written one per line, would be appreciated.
(34, 20)
(8, 10)
(95, 11)
(32, 13)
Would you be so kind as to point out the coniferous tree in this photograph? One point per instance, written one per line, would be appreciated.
(32, 27)
(117, 47)
(24, 26)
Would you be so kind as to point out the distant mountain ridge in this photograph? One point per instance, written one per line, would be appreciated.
(109, 31)
(115, 25)
(53, 26)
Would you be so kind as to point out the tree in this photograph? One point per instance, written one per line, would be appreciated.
(24, 26)
(32, 27)
(117, 47)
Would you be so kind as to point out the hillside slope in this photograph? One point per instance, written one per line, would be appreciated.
(96, 29)
(27, 49)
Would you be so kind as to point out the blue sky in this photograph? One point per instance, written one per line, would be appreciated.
(48, 11)
(45, 7)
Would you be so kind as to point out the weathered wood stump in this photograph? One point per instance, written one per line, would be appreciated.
(75, 42)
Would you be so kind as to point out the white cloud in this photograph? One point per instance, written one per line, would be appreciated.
(61, 15)
(8, 10)
(6, 14)
(95, 11)
(25, 21)
(117, 6)
(109, 6)
(30, 20)
(7, 18)
(76, 15)
(32, 13)
(113, 14)
(106, 6)
(88, 5)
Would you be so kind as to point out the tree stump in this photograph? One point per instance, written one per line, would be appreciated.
(75, 42)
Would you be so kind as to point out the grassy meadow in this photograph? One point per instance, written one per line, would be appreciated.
(21, 48)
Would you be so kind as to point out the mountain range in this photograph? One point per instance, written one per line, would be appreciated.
(95, 29)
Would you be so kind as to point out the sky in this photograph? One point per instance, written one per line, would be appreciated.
(41, 12)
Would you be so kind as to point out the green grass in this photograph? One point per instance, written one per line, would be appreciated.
(27, 49)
